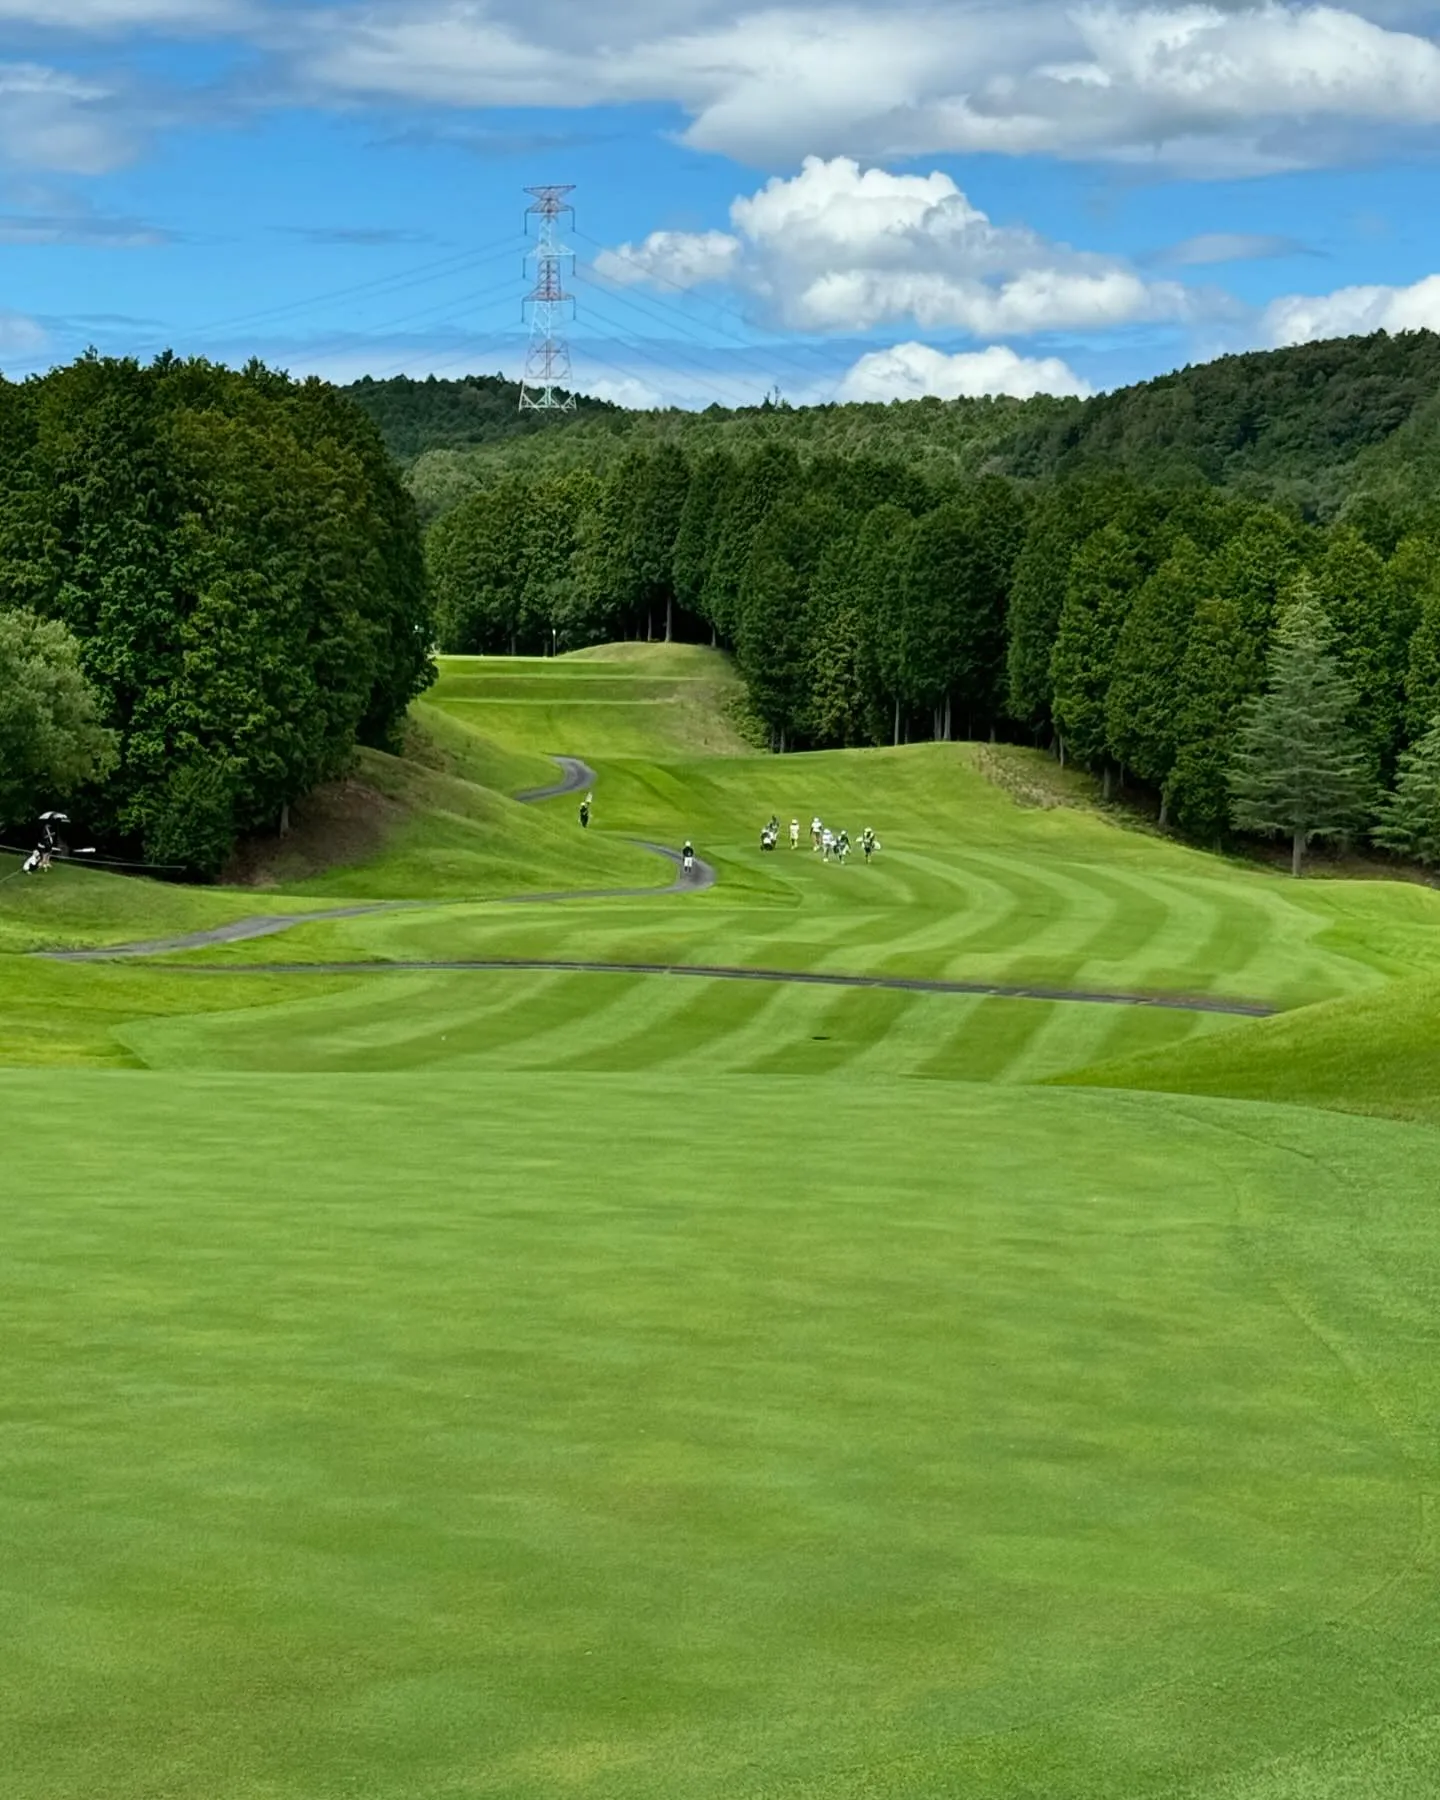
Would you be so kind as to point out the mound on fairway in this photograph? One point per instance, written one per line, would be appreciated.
(1377, 1052)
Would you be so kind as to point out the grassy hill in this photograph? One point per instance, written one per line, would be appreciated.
(1305, 426)
(525, 1381)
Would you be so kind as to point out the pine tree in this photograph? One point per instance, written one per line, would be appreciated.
(1300, 769)
(1410, 816)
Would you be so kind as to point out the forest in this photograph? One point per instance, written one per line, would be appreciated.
(212, 587)
(1220, 589)
(1161, 586)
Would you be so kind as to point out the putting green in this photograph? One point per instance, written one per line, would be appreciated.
(503, 1385)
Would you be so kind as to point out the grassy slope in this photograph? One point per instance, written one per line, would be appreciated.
(74, 905)
(1374, 1053)
(487, 1396)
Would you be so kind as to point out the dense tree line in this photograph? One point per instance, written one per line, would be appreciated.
(1131, 628)
(240, 569)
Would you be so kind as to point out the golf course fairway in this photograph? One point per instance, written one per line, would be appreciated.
(508, 1383)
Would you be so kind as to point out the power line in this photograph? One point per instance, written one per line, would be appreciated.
(725, 312)
(395, 283)
(726, 389)
(767, 371)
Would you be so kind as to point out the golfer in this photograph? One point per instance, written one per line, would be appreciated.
(687, 857)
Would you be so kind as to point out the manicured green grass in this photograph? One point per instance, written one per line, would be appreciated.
(73, 904)
(509, 1385)
(631, 700)
(685, 1438)
(456, 840)
(1376, 1053)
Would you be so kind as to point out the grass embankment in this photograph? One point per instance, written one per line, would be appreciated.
(521, 1385)
(1376, 1053)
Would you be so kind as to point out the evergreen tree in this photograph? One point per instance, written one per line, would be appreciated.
(768, 476)
(1056, 527)
(874, 578)
(1255, 565)
(705, 499)
(242, 569)
(477, 557)
(1415, 566)
(1410, 816)
(1300, 770)
(1372, 619)
(947, 628)
(1142, 704)
(1037, 594)
(773, 648)
(1104, 576)
(1216, 674)
(557, 609)
(645, 494)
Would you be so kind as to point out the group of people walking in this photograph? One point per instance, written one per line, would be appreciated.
(832, 845)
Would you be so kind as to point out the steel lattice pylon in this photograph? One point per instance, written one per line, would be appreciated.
(547, 361)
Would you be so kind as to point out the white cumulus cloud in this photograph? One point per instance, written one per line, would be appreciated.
(1354, 311)
(841, 248)
(910, 371)
(1207, 88)
(681, 259)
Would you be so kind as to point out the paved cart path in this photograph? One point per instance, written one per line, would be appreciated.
(908, 984)
(575, 775)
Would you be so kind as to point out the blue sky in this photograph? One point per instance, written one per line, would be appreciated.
(870, 199)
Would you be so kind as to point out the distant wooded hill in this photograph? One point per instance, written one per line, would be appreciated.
(416, 416)
(1306, 427)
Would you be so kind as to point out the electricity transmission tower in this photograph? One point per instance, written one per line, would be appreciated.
(547, 361)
